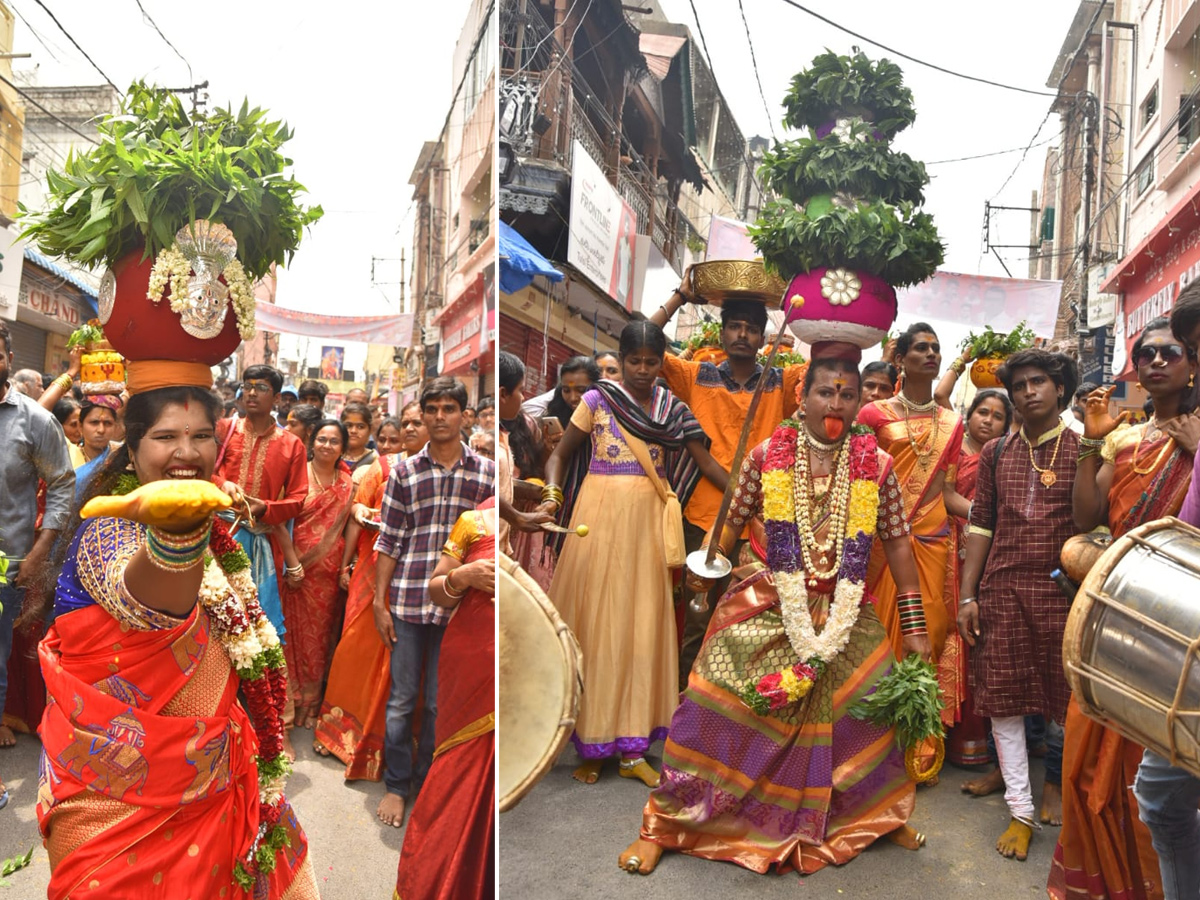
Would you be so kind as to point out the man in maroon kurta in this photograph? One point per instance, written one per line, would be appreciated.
(1011, 613)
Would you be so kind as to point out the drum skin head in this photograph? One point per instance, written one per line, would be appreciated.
(539, 684)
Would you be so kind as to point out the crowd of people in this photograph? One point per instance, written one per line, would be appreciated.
(362, 533)
(863, 486)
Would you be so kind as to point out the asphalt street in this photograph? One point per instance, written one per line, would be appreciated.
(564, 838)
(354, 856)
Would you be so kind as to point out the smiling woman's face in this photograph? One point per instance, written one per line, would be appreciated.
(180, 444)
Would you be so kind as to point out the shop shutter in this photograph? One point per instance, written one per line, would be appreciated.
(28, 344)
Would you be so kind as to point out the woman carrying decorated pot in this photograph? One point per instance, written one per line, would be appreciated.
(805, 784)
(925, 441)
(155, 780)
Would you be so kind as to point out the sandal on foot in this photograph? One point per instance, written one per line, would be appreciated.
(639, 769)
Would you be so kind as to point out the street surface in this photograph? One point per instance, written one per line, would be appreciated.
(564, 838)
(353, 855)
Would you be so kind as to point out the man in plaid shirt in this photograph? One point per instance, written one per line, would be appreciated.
(424, 497)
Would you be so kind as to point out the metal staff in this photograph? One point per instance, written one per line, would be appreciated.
(704, 562)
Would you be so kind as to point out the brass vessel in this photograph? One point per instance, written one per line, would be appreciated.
(735, 279)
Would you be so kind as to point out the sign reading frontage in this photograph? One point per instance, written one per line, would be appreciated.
(603, 230)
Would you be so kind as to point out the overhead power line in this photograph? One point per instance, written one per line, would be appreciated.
(35, 33)
(942, 162)
(154, 25)
(67, 125)
(54, 19)
(910, 58)
(754, 63)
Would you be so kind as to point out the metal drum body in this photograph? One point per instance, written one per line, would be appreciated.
(540, 683)
(1130, 644)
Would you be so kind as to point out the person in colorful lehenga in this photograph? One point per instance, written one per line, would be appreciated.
(925, 442)
(1127, 477)
(138, 669)
(988, 416)
(1020, 518)
(311, 588)
(614, 589)
(351, 723)
(449, 847)
(763, 765)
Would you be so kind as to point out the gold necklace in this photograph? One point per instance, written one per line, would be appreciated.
(838, 499)
(313, 472)
(923, 453)
(1157, 460)
(1048, 477)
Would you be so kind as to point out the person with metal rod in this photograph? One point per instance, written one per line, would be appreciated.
(812, 785)
(719, 397)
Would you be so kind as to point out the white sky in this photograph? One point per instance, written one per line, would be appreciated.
(1013, 43)
(362, 84)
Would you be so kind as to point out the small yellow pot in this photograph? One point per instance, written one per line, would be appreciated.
(983, 372)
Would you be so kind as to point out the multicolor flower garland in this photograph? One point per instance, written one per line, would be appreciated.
(784, 478)
(229, 595)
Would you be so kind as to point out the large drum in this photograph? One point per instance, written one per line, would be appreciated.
(1132, 638)
(540, 683)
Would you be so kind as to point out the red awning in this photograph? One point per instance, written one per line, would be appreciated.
(1183, 217)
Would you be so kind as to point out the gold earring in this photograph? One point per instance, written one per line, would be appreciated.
(1139, 384)
(1192, 380)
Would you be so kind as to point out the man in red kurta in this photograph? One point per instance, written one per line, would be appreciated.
(268, 466)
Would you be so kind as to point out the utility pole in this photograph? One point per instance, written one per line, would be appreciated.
(1090, 104)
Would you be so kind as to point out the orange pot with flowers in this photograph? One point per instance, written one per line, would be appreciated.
(991, 349)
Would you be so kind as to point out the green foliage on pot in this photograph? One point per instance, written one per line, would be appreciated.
(895, 242)
(157, 168)
(850, 85)
(992, 343)
(798, 169)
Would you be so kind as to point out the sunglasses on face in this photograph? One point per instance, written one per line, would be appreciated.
(1170, 353)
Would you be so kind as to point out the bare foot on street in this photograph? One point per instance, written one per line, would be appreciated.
(988, 784)
(589, 771)
(288, 750)
(640, 857)
(7, 738)
(1051, 804)
(907, 837)
(391, 810)
(1014, 843)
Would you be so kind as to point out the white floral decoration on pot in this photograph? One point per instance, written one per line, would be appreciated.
(840, 287)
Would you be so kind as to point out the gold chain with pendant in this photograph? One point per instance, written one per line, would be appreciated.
(1048, 478)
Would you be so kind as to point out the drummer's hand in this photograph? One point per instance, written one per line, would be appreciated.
(1097, 420)
(383, 621)
(171, 505)
(531, 521)
(1185, 430)
(480, 574)
(918, 644)
(968, 622)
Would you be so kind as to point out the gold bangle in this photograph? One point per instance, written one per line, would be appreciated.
(449, 588)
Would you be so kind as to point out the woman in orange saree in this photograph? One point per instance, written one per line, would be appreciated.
(448, 851)
(1140, 474)
(310, 601)
(148, 777)
(925, 441)
(351, 723)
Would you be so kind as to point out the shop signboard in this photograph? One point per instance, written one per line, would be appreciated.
(603, 230)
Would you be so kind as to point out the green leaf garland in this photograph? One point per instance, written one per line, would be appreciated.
(850, 85)
(801, 168)
(906, 698)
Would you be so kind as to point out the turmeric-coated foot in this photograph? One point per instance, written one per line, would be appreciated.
(640, 857)
(1014, 843)
(640, 769)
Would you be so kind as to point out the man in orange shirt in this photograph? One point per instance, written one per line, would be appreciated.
(719, 397)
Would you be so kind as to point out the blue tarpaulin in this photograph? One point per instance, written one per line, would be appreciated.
(519, 262)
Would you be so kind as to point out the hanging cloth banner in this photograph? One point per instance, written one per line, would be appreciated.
(979, 300)
(394, 330)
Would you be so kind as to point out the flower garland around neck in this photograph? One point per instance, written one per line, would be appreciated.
(230, 597)
(786, 553)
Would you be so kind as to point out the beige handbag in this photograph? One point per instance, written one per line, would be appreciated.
(672, 521)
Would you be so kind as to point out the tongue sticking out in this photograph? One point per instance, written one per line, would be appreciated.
(834, 426)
